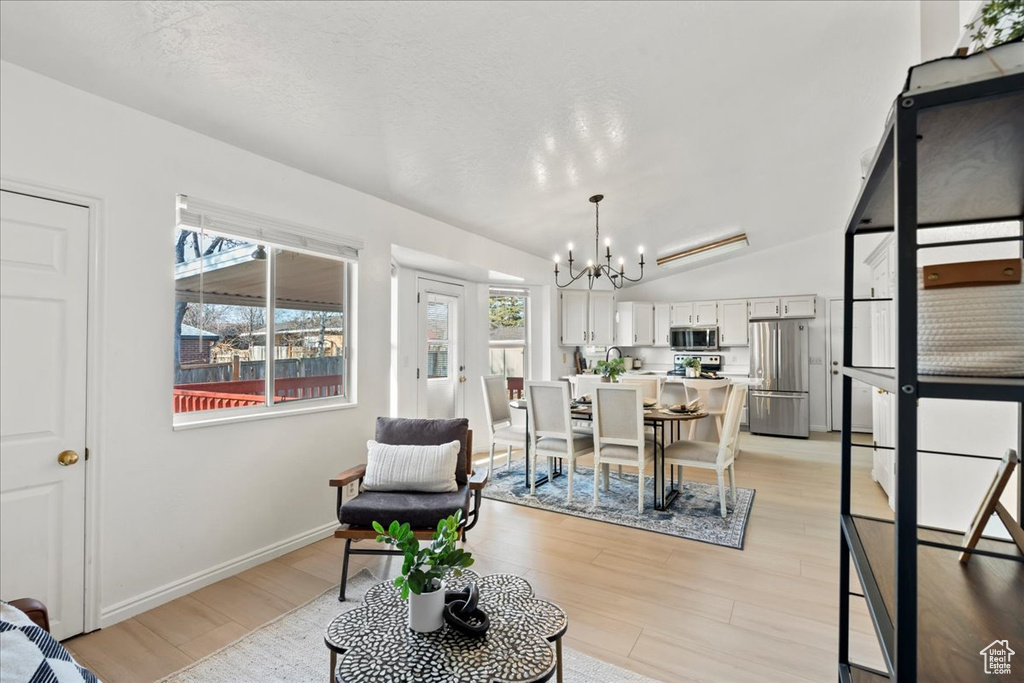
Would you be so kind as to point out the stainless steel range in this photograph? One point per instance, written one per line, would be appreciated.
(710, 363)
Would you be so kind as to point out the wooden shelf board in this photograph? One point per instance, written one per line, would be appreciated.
(969, 166)
(856, 674)
(961, 608)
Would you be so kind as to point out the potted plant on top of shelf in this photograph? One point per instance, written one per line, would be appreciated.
(611, 369)
(423, 569)
(1000, 21)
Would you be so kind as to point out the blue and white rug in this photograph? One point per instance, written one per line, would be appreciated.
(693, 515)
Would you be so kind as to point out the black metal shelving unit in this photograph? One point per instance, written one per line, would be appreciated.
(949, 156)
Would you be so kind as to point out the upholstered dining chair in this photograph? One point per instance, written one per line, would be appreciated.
(650, 387)
(551, 431)
(713, 394)
(585, 385)
(719, 456)
(421, 510)
(619, 437)
(499, 418)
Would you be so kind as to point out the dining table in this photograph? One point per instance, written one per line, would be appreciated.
(658, 417)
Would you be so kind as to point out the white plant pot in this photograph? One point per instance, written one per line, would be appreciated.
(692, 372)
(426, 611)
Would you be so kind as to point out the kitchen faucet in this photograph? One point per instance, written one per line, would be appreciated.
(608, 355)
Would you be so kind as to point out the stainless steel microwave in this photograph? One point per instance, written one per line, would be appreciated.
(695, 338)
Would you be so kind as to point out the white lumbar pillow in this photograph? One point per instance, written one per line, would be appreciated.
(430, 469)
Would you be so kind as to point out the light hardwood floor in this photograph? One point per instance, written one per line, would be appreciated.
(673, 609)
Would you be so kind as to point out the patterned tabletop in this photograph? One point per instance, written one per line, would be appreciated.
(375, 643)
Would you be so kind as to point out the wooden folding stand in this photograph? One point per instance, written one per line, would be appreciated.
(991, 505)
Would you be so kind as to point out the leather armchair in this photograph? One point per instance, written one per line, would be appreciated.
(421, 510)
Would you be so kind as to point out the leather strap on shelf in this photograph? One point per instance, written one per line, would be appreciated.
(973, 274)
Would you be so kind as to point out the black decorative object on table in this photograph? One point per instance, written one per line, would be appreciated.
(373, 642)
(462, 614)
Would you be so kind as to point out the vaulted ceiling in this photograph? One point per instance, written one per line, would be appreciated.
(694, 119)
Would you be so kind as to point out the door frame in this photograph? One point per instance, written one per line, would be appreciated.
(828, 359)
(95, 282)
(460, 329)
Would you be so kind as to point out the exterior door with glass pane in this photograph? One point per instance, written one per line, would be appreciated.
(440, 367)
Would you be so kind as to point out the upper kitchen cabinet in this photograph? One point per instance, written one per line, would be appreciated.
(764, 308)
(588, 318)
(635, 325)
(799, 306)
(681, 315)
(602, 319)
(732, 323)
(663, 324)
(705, 313)
(574, 305)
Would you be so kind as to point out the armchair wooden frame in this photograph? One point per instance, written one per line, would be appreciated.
(476, 483)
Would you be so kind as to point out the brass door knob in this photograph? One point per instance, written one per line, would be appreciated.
(462, 378)
(66, 458)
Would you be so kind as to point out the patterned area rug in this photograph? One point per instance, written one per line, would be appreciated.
(291, 649)
(693, 515)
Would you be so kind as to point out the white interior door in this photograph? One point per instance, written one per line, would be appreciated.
(44, 247)
(861, 408)
(441, 366)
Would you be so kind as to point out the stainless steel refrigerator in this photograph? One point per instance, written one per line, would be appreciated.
(779, 369)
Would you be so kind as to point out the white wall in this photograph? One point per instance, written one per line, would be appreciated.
(175, 505)
(812, 265)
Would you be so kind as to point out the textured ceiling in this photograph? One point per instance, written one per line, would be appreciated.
(695, 119)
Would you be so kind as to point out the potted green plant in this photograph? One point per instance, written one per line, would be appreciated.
(692, 365)
(611, 369)
(423, 569)
(1000, 21)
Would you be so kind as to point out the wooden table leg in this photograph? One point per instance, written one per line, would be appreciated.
(334, 664)
(558, 660)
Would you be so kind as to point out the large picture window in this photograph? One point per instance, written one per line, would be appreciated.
(257, 324)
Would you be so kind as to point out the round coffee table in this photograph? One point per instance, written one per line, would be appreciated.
(524, 643)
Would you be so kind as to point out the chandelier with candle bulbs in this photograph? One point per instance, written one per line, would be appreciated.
(595, 269)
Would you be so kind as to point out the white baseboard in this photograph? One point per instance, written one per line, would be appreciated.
(819, 428)
(127, 609)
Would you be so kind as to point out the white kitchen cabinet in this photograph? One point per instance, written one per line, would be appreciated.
(588, 318)
(681, 315)
(574, 305)
(732, 323)
(705, 313)
(663, 324)
(635, 326)
(799, 306)
(601, 319)
(760, 309)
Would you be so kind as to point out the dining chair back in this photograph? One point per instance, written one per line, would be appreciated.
(713, 394)
(650, 387)
(619, 437)
(499, 419)
(551, 433)
(729, 443)
(585, 385)
(675, 393)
